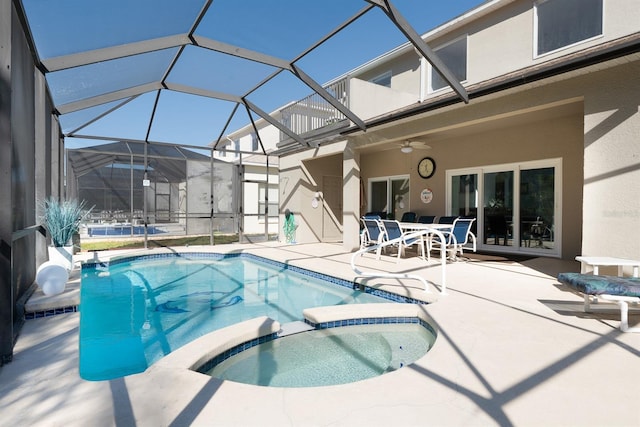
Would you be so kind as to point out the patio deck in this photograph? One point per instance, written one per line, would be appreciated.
(514, 348)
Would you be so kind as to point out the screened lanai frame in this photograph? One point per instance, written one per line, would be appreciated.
(100, 61)
(73, 64)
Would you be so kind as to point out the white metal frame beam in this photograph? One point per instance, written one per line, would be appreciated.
(203, 92)
(114, 52)
(190, 38)
(108, 97)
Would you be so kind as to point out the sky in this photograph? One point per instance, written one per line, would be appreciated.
(279, 28)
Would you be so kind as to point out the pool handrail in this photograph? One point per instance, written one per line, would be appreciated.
(416, 234)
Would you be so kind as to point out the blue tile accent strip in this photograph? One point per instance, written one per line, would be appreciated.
(283, 266)
(207, 366)
(51, 312)
(212, 363)
(371, 321)
(104, 265)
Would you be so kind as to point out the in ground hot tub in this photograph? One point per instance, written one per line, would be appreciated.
(337, 351)
(328, 356)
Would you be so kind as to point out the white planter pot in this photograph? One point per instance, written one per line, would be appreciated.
(62, 255)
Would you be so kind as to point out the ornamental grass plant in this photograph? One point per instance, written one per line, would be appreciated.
(62, 219)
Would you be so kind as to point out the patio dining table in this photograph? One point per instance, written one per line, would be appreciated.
(418, 226)
(425, 230)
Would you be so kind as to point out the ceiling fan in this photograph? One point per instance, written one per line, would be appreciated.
(409, 145)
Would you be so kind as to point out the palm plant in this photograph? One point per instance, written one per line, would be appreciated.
(62, 219)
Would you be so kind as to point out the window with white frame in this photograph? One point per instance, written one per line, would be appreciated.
(562, 23)
(273, 201)
(236, 147)
(383, 79)
(454, 56)
(285, 120)
(389, 196)
(254, 141)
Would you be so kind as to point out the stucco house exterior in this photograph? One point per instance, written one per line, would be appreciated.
(545, 155)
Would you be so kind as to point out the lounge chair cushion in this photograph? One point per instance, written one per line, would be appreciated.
(602, 285)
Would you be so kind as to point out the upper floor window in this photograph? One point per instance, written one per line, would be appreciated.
(383, 79)
(272, 192)
(454, 56)
(562, 23)
(254, 141)
(285, 120)
(236, 147)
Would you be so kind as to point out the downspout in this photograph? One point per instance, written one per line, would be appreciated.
(423, 79)
(131, 191)
(211, 175)
(240, 210)
(144, 196)
(266, 205)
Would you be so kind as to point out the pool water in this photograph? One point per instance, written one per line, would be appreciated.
(122, 230)
(135, 312)
(328, 356)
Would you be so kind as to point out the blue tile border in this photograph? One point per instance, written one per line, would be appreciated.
(278, 264)
(371, 321)
(212, 363)
(51, 312)
(104, 265)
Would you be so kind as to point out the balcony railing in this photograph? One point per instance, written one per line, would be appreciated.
(314, 112)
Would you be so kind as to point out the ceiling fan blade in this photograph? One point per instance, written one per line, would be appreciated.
(414, 144)
(418, 145)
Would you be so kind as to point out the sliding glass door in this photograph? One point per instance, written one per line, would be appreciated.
(464, 197)
(389, 195)
(537, 208)
(497, 207)
(520, 205)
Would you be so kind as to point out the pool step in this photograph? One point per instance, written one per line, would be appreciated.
(40, 305)
(294, 328)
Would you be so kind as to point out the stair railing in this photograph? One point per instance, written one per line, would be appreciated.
(421, 234)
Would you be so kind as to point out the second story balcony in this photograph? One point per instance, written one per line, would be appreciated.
(365, 99)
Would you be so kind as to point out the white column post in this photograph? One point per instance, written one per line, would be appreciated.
(350, 198)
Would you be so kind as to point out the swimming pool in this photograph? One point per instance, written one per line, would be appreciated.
(136, 310)
(121, 230)
(327, 356)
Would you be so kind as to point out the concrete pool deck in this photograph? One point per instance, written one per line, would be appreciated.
(513, 348)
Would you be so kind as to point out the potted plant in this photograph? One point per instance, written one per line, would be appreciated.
(62, 219)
